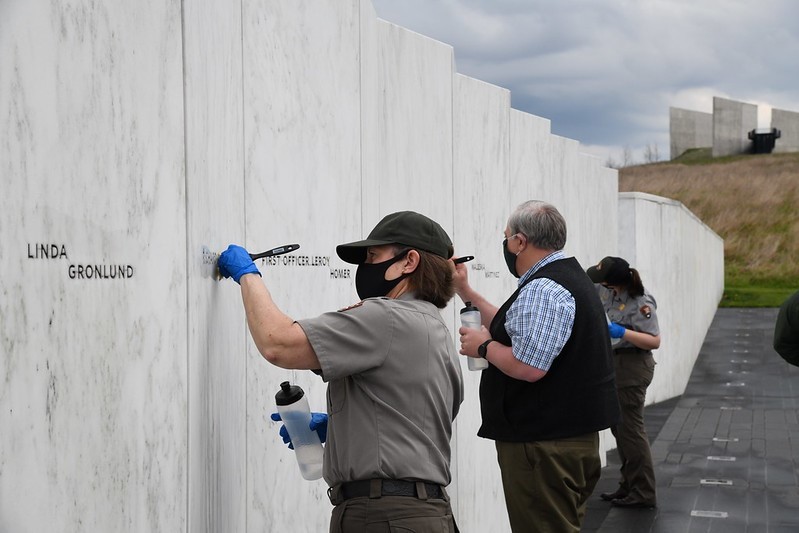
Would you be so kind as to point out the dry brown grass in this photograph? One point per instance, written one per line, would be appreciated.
(752, 202)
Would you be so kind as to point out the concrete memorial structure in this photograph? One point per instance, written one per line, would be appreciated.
(788, 124)
(141, 139)
(689, 129)
(732, 122)
(732, 129)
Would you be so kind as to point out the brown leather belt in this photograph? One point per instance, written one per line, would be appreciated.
(389, 487)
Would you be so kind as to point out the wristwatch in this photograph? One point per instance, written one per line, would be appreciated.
(482, 350)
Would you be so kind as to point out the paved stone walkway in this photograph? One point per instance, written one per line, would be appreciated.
(726, 452)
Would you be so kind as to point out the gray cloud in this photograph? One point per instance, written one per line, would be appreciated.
(606, 71)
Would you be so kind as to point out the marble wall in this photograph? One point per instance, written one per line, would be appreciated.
(94, 312)
(142, 139)
(681, 262)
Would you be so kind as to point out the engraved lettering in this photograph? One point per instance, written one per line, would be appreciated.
(297, 260)
(339, 273)
(100, 271)
(47, 251)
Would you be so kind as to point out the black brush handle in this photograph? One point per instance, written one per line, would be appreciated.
(280, 250)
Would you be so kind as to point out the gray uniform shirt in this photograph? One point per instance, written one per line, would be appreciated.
(394, 388)
(630, 312)
(637, 314)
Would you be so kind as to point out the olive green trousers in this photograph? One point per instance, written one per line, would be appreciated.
(548, 483)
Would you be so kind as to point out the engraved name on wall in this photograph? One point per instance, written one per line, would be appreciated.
(79, 270)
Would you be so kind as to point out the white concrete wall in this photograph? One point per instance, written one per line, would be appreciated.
(152, 135)
(788, 124)
(689, 129)
(732, 122)
(681, 262)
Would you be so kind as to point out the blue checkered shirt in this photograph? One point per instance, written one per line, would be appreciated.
(540, 321)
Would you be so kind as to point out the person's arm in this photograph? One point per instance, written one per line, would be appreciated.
(497, 354)
(280, 340)
(642, 340)
(502, 357)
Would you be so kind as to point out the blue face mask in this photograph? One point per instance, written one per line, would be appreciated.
(370, 278)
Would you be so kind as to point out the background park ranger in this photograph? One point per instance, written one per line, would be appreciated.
(633, 315)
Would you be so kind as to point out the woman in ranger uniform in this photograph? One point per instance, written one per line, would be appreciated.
(394, 377)
(634, 330)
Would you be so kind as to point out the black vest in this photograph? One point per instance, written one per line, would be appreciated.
(578, 393)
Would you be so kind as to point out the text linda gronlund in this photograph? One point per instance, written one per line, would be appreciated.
(92, 271)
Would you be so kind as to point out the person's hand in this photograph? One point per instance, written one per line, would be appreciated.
(284, 433)
(460, 278)
(616, 330)
(235, 262)
(318, 423)
(471, 339)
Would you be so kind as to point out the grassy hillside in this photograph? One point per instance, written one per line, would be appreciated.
(752, 202)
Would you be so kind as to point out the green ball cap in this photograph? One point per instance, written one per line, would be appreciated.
(406, 228)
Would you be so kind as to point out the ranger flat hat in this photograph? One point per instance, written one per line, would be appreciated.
(611, 270)
(406, 228)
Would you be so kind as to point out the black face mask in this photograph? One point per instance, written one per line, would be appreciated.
(370, 278)
(510, 258)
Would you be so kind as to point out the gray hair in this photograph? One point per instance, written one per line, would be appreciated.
(541, 223)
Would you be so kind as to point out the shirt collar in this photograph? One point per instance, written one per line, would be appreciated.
(410, 295)
(554, 256)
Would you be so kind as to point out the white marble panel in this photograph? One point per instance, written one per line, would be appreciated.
(370, 116)
(561, 158)
(302, 114)
(529, 158)
(414, 127)
(482, 198)
(593, 226)
(93, 313)
(218, 357)
(550, 168)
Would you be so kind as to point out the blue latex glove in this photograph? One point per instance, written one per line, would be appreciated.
(235, 262)
(616, 330)
(318, 423)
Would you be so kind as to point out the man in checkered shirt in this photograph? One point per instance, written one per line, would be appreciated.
(550, 387)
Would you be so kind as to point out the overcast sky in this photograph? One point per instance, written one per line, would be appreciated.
(605, 72)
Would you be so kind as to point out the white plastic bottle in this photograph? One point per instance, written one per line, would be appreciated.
(293, 408)
(470, 318)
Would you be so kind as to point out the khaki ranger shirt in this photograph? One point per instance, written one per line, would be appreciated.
(394, 388)
(637, 314)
